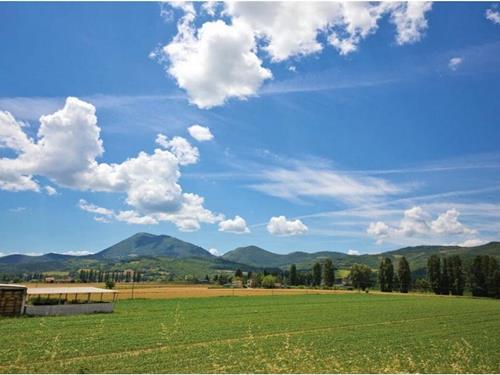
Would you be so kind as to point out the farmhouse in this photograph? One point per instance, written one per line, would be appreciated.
(18, 299)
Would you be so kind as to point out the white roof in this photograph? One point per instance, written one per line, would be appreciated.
(12, 286)
(69, 290)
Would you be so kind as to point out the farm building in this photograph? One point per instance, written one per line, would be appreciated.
(18, 299)
(12, 299)
(69, 300)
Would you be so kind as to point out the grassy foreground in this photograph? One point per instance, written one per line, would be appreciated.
(309, 333)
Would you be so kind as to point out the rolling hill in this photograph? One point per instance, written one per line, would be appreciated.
(152, 254)
(161, 253)
(416, 256)
(145, 244)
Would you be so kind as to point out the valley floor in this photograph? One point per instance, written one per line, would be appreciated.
(350, 333)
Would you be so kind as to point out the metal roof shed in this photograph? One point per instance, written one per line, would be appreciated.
(68, 300)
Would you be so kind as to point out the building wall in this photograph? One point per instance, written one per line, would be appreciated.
(12, 301)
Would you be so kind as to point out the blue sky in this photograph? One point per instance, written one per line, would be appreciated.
(358, 130)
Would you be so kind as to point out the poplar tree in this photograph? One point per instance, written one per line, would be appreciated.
(293, 275)
(456, 275)
(484, 276)
(434, 273)
(445, 277)
(404, 275)
(328, 273)
(360, 276)
(316, 274)
(386, 275)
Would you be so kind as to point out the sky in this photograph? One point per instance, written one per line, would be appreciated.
(352, 127)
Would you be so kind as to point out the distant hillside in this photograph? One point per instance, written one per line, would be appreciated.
(417, 256)
(155, 255)
(165, 254)
(145, 244)
(258, 257)
(255, 256)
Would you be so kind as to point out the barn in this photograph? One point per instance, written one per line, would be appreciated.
(12, 299)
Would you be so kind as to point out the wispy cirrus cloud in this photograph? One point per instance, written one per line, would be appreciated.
(305, 181)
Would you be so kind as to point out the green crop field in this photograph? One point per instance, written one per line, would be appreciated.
(309, 333)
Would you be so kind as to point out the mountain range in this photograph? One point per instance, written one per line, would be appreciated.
(160, 254)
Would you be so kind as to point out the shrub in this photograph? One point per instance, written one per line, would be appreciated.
(268, 281)
(110, 284)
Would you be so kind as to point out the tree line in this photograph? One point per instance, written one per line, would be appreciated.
(445, 276)
(448, 276)
(97, 276)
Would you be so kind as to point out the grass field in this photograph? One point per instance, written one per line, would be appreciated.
(301, 333)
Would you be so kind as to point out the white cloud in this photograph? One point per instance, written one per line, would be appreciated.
(210, 7)
(219, 60)
(418, 223)
(65, 151)
(353, 252)
(102, 219)
(50, 190)
(132, 217)
(306, 181)
(181, 148)
(410, 21)
(493, 15)
(447, 223)
(214, 252)
(216, 62)
(78, 252)
(379, 229)
(280, 226)
(472, 242)
(236, 225)
(200, 133)
(289, 29)
(415, 221)
(17, 209)
(455, 62)
(89, 207)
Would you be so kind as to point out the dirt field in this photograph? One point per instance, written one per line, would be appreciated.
(168, 291)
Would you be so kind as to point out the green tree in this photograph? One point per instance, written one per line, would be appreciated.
(434, 273)
(268, 281)
(328, 273)
(361, 276)
(238, 273)
(491, 270)
(316, 274)
(456, 275)
(484, 277)
(386, 275)
(422, 285)
(110, 284)
(404, 275)
(293, 275)
(445, 277)
(496, 279)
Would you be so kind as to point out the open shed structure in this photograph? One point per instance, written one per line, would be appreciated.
(12, 299)
(69, 300)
